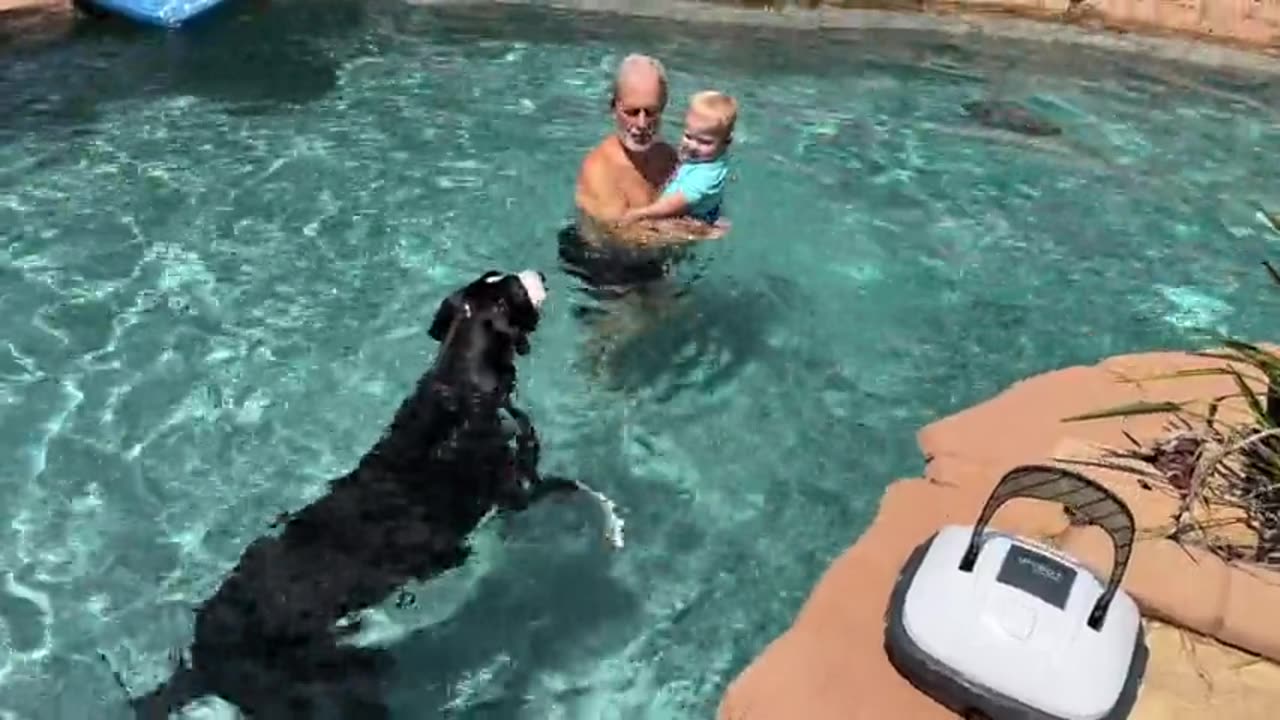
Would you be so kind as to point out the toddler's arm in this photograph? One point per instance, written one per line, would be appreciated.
(670, 205)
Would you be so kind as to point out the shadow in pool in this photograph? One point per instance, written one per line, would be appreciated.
(251, 56)
(544, 608)
(702, 341)
(648, 325)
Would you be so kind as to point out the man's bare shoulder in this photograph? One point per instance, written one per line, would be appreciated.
(595, 191)
(601, 157)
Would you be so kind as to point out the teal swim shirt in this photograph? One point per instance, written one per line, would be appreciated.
(702, 184)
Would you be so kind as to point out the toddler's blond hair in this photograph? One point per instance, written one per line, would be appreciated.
(718, 105)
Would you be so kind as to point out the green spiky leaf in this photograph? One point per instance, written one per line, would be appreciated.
(1251, 398)
(1212, 414)
(1193, 372)
(1138, 408)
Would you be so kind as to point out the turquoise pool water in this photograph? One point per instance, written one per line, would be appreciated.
(221, 250)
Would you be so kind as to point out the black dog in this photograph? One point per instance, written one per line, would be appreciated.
(268, 639)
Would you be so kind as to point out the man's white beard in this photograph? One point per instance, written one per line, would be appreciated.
(633, 145)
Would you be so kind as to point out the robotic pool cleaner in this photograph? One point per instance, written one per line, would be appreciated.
(993, 625)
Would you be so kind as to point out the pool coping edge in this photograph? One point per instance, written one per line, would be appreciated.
(1179, 46)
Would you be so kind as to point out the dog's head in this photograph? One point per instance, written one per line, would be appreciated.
(492, 317)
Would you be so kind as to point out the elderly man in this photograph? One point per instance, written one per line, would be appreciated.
(628, 261)
(629, 168)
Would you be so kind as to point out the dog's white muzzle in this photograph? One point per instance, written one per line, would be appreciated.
(533, 286)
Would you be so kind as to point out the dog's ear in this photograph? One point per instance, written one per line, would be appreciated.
(521, 317)
(519, 336)
(524, 313)
(445, 314)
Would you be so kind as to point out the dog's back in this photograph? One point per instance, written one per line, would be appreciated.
(268, 640)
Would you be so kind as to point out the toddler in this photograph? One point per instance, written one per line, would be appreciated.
(697, 188)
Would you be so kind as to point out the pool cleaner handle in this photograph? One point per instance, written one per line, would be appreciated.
(1085, 499)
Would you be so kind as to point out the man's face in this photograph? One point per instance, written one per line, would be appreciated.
(637, 110)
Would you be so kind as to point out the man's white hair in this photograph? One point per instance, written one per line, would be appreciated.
(636, 62)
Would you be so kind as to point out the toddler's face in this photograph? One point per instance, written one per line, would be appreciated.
(703, 138)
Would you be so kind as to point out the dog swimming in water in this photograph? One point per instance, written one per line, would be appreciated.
(269, 640)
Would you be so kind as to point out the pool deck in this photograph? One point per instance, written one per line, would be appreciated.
(6, 5)
(1215, 648)
(1242, 34)
(31, 22)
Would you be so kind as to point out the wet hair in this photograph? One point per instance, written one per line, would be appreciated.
(718, 105)
(633, 63)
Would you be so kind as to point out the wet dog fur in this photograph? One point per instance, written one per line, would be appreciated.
(268, 639)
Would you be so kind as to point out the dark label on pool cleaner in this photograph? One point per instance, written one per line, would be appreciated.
(1039, 575)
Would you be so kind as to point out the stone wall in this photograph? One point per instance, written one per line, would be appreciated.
(1255, 23)
(1250, 22)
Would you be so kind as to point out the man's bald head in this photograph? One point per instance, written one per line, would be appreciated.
(641, 73)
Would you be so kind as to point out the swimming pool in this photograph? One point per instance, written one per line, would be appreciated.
(221, 251)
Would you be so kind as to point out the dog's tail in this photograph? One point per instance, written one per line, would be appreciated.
(183, 686)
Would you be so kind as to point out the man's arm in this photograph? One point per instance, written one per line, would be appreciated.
(601, 206)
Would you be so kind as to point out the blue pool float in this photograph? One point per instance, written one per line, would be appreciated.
(162, 13)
